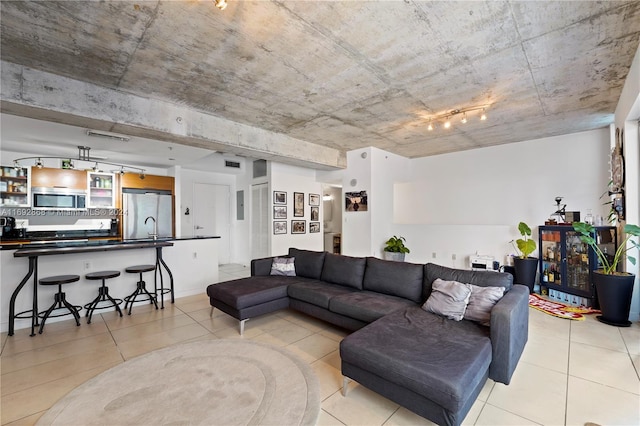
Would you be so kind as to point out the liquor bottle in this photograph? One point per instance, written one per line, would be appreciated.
(545, 276)
(551, 277)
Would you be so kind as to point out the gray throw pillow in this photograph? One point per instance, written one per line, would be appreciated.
(448, 298)
(481, 303)
(283, 266)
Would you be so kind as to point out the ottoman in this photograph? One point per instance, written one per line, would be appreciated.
(245, 298)
(431, 365)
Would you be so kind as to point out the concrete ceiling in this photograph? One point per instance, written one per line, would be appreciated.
(347, 74)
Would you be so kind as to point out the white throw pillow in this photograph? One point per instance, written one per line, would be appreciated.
(481, 302)
(283, 266)
(448, 298)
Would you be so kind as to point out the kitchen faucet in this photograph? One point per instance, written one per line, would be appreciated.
(155, 227)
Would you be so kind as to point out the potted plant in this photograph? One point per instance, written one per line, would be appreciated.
(395, 249)
(524, 265)
(614, 288)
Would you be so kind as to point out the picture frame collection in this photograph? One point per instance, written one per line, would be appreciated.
(298, 226)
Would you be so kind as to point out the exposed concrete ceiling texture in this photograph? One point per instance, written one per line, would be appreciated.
(343, 74)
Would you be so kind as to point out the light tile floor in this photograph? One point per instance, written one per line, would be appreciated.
(571, 373)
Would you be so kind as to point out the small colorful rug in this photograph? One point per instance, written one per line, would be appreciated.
(560, 310)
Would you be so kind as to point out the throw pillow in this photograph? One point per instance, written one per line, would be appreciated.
(481, 303)
(448, 298)
(283, 266)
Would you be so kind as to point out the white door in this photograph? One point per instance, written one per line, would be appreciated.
(211, 215)
(259, 221)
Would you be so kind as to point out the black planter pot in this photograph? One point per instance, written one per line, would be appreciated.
(525, 271)
(614, 294)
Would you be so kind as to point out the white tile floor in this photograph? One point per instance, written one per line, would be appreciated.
(571, 373)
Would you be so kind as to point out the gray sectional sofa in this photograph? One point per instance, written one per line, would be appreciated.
(425, 362)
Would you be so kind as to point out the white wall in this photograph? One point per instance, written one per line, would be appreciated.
(356, 226)
(467, 202)
(627, 116)
(292, 179)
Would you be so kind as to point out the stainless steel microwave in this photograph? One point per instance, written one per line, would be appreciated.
(58, 199)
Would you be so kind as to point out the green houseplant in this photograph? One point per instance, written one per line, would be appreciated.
(614, 288)
(524, 265)
(395, 249)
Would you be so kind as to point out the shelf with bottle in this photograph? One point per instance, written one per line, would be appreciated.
(101, 190)
(14, 186)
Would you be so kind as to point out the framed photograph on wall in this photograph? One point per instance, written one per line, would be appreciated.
(314, 227)
(315, 214)
(279, 197)
(298, 204)
(314, 200)
(279, 212)
(298, 226)
(356, 201)
(279, 227)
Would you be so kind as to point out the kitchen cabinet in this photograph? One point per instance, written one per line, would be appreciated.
(102, 190)
(138, 181)
(15, 188)
(567, 264)
(47, 177)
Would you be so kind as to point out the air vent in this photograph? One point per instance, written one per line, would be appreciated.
(232, 164)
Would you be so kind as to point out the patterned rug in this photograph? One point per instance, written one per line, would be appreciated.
(558, 309)
(215, 382)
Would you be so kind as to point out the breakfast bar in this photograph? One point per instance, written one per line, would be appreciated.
(33, 253)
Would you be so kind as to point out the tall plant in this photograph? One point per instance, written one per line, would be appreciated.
(587, 236)
(526, 245)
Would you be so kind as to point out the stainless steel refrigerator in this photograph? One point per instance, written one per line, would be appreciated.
(139, 206)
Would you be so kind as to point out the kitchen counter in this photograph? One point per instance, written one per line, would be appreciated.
(91, 244)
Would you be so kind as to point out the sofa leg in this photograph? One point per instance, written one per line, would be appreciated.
(345, 385)
(211, 312)
(242, 326)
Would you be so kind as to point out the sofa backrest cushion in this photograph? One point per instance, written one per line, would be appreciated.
(308, 263)
(394, 278)
(479, 278)
(343, 270)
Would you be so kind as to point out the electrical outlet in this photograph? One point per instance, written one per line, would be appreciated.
(453, 256)
(433, 255)
(195, 254)
(87, 265)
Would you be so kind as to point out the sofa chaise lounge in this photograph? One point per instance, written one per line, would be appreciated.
(424, 361)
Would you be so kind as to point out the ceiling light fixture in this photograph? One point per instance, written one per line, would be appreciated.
(108, 135)
(448, 116)
(83, 155)
(221, 4)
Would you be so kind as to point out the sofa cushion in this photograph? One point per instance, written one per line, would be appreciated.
(449, 299)
(479, 278)
(283, 266)
(394, 278)
(245, 292)
(367, 306)
(308, 263)
(442, 360)
(317, 292)
(481, 303)
(344, 270)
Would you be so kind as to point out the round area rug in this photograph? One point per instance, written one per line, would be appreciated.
(212, 382)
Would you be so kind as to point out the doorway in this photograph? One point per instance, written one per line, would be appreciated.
(211, 216)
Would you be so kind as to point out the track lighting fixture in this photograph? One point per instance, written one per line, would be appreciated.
(445, 118)
(83, 155)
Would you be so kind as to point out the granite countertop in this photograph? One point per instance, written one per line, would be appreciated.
(93, 244)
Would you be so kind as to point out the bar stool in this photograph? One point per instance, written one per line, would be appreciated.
(141, 289)
(103, 294)
(60, 299)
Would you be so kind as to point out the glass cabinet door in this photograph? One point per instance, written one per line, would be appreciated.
(577, 263)
(551, 265)
(15, 187)
(101, 190)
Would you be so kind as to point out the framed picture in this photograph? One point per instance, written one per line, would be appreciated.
(279, 212)
(314, 200)
(279, 197)
(315, 214)
(279, 227)
(356, 201)
(298, 226)
(67, 164)
(298, 204)
(314, 227)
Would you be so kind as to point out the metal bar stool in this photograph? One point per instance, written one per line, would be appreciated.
(103, 294)
(141, 289)
(60, 299)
